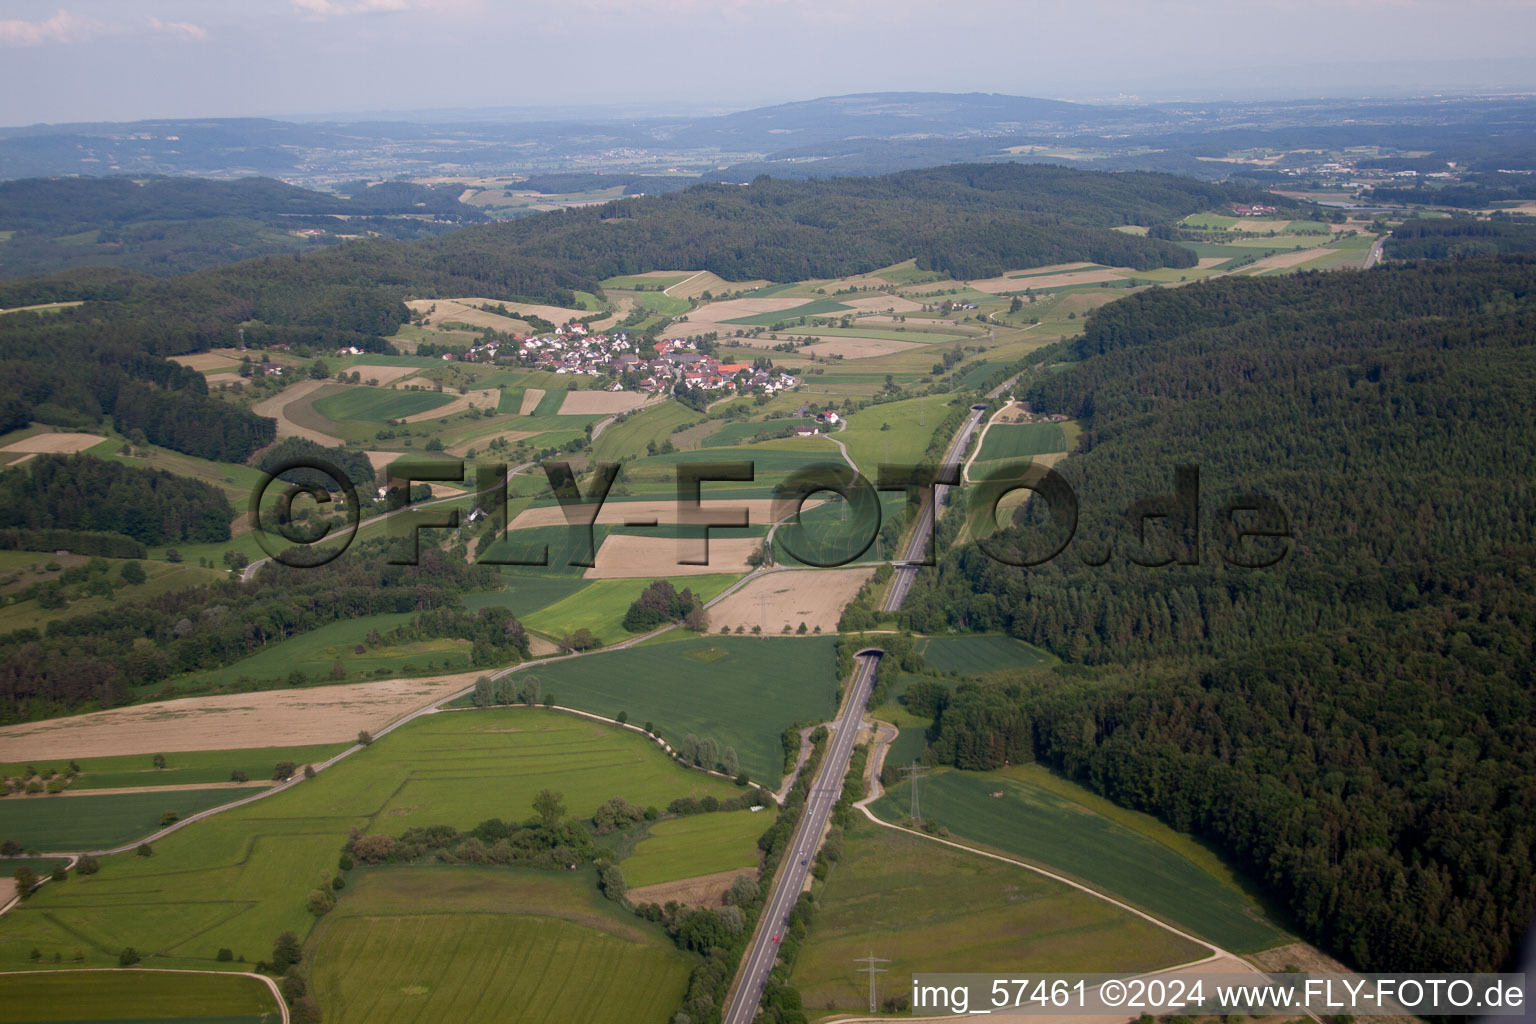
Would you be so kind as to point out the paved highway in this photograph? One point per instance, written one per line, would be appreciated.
(828, 785)
(801, 851)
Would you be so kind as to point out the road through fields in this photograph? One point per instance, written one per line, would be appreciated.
(827, 787)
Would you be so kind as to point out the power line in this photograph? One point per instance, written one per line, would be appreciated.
(871, 970)
(913, 772)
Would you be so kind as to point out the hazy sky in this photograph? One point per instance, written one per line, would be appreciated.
(77, 60)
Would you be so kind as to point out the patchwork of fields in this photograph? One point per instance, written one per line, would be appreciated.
(239, 879)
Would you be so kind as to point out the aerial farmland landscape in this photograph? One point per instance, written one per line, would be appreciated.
(685, 514)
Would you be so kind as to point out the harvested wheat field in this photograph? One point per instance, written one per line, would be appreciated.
(625, 556)
(380, 460)
(538, 647)
(700, 891)
(734, 309)
(705, 281)
(1261, 226)
(859, 348)
(320, 714)
(203, 362)
(1018, 284)
(277, 407)
(1284, 260)
(215, 379)
(600, 403)
(531, 399)
(463, 310)
(473, 400)
(661, 510)
(880, 303)
(815, 597)
(381, 375)
(54, 444)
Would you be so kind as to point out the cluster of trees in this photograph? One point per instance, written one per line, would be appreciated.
(544, 840)
(354, 464)
(1351, 725)
(80, 542)
(496, 636)
(98, 659)
(81, 492)
(509, 690)
(661, 603)
(706, 753)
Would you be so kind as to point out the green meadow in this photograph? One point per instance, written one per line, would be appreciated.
(654, 424)
(895, 432)
(99, 821)
(1132, 856)
(926, 907)
(602, 604)
(747, 431)
(701, 844)
(378, 404)
(133, 997)
(526, 594)
(742, 691)
(1021, 441)
(491, 944)
(317, 652)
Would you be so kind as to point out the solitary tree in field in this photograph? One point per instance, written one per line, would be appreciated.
(728, 759)
(26, 880)
(159, 761)
(549, 807)
(483, 694)
(709, 752)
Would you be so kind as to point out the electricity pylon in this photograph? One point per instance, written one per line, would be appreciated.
(871, 970)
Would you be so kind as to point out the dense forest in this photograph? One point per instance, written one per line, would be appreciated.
(1447, 237)
(1355, 726)
(81, 492)
(167, 226)
(102, 659)
(966, 221)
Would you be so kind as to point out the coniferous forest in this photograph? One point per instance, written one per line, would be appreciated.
(1354, 725)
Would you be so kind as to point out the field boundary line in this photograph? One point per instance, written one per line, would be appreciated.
(863, 806)
(667, 291)
(1217, 952)
(277, 994)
